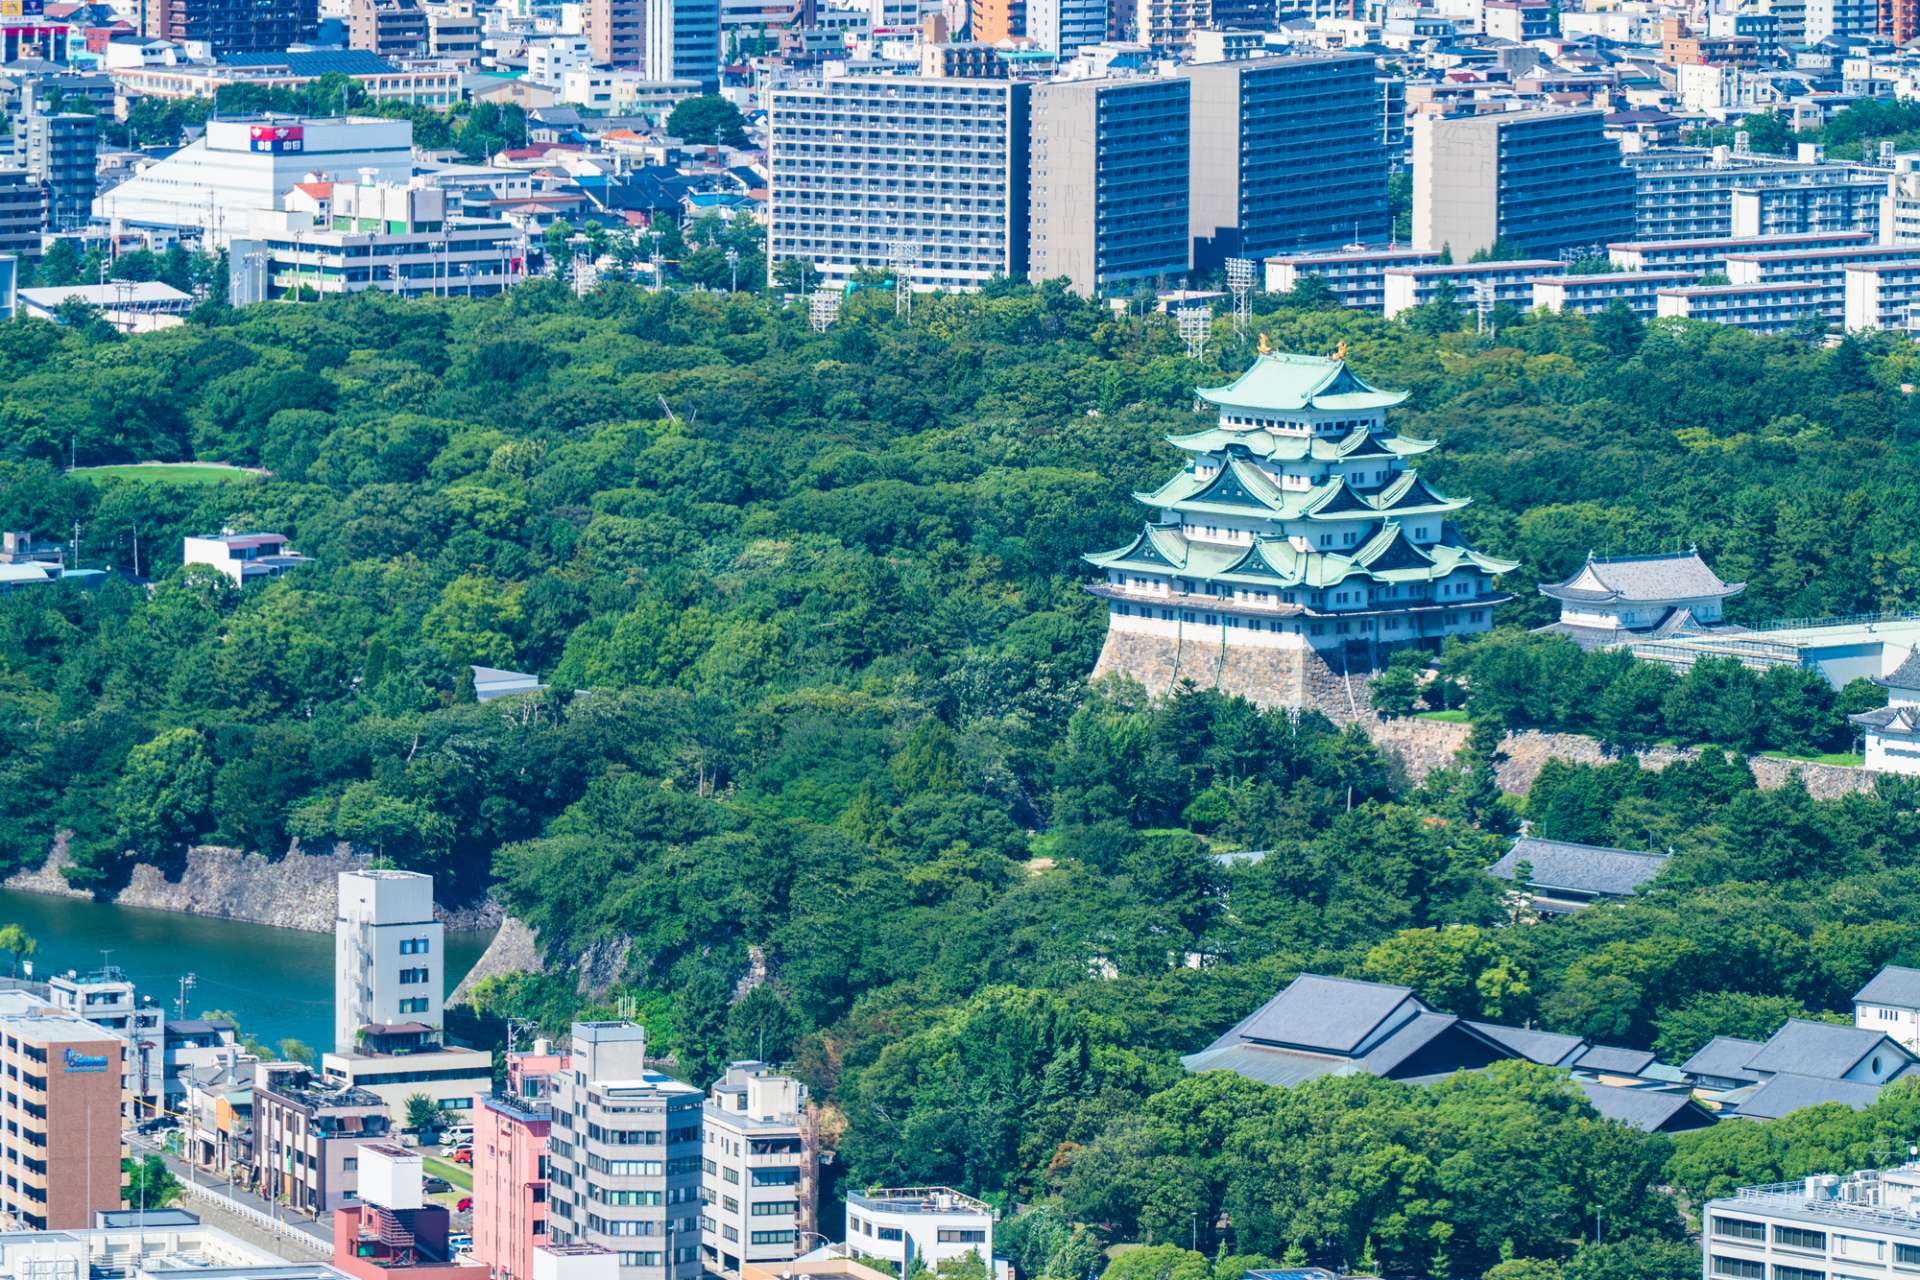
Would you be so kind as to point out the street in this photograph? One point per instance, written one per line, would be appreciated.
(322, 1230)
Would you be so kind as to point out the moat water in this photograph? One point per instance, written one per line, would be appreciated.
(277, 983)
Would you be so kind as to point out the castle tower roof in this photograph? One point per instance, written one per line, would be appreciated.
(1280, 382)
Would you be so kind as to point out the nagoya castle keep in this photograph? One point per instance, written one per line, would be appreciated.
(1294, 551)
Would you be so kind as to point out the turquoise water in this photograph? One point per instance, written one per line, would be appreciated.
(277, 982)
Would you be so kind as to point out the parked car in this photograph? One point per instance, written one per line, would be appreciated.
(465, 1205)
(435, 1186)
(463, 1156)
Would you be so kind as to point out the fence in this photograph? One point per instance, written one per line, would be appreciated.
(214, 1198)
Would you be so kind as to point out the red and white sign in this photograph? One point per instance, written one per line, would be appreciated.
(277, 138)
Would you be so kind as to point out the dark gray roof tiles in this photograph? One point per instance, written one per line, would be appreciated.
(1548, 1048)
(1723, 1058)
(1787, 1092)
(1332, 1015)
(1895, 985)
(1649, 1110)
(1904, 676)
(1824, 1050)
(1582, 868)
(1675, 576)
(1614, 1061)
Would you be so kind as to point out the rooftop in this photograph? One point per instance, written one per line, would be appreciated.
(1875, 1199)
(1666, 577)
(1281, 381)
(1579, 868)
(918, 1200)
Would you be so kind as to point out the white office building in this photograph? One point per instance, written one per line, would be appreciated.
(1864, 1225)
(387, 950)
(930, 1224)
(938, 166)
(214, 185)
(760, 1170)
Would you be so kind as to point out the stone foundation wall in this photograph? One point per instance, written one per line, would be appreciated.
(1267, 677)
(1422, 746)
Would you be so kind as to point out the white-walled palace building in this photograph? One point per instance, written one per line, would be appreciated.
(1893, 731)
(1296, 548)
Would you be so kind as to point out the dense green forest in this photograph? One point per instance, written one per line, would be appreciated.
(810, 609)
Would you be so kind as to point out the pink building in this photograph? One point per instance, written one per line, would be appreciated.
(509, 1183)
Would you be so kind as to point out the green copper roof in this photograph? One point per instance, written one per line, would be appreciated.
(1241, 488)
(1387, 555)
(1361, 443)
(1280, 382)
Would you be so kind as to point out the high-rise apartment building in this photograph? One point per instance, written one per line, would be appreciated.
(23, 213)
(1167, 26)
(625, 1156)
(760, 1171)
(106, 998)
(510, 1183)
(1286, 156)
(59, 1119)
(682, 41)
(387, 951)
(61, 151)
(991, 21)
(1107, 188)
(1536, 181)
(1840, 19)
(860, 164)
(1066, 26)
(617, 30)
(233, 26)
(390, 28)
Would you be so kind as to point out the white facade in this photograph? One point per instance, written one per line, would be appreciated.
(1893, 731)
(1065, 27)
(1883, 295)
(550, 58)
(1357, 277)
(1864, 1227)
(1761, 308)
(931, 1224)
(759, 1185)
(1590, 295)
(388, 954)
(1511, 282)
(218, 182)
(452, 1077)
(860, 162)
(1890, 1005)
(243, 557)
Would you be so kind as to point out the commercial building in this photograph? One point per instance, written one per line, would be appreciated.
(231, 26)
(244, 557)
(625, 1154)
(510, 1182)
(217, 183)
(131, 306)
(388, 28)
(1356, 277)
(1865, 1224)
(388, 952)
(919, 1225)
(60, 151)
(419, 83)
(60, 1119)
(337, 237)
(393, 1232)
(159, 1244)
(453, 31)
(1510, 281)
(761, 1170)
(398, 1060)
(1286, 155)
(307, 1137)
(1591, 294)
(1296, 546)
(860, 165)
(1107, 187)
(1064, 27)
(1537, 182)
(23, 213)
(107, 999)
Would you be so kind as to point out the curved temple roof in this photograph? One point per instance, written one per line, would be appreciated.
(1280, 382)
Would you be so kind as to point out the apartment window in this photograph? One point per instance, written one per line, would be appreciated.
(414, 977)
(777, 1237)
(1797, 1273)
(1906, 1255)
(775, 1177)
(1738, 1268)
(1800, 1238)
(1739, 1228)
(888, 1233)
(774, 1208)
(956, 1235)
(414, 946)
(415, 1004)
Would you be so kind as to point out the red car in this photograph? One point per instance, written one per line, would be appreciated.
(463, 1156)
(465, 1205)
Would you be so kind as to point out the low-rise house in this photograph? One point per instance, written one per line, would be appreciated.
(307, 1136)
(1562, 876)
(244, 557)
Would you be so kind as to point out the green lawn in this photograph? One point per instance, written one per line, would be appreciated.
(459, 1175)
(168, 473)
(1846, 758)
(1456, 716)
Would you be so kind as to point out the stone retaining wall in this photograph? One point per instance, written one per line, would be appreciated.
(1267, 677)
(1425, 745)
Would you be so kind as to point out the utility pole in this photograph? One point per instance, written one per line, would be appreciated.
(188, 982)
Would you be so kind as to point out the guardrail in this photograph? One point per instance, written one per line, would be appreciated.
(213, 1198)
